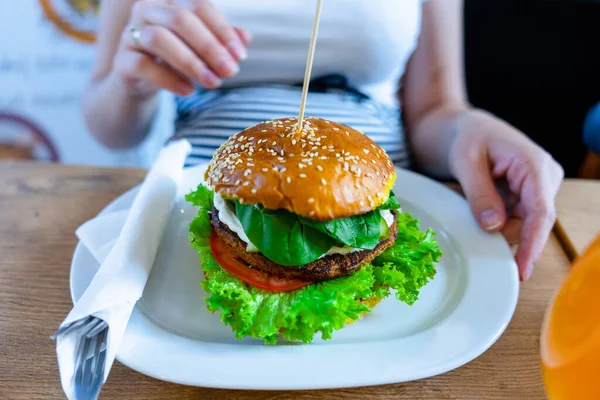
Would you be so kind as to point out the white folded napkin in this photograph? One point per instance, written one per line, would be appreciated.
(125, 262)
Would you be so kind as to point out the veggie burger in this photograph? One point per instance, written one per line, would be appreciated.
(299, 232)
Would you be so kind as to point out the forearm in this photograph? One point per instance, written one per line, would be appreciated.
(432, 136)
(115, 116)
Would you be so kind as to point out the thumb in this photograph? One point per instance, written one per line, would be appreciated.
(482, 195)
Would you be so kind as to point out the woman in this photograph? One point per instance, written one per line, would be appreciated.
(233, 63)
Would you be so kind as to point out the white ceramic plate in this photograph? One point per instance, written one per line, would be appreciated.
(460, 314)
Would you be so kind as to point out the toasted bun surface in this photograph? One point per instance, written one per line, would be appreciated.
(327, 171)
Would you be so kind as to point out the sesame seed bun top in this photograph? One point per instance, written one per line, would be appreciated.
(326, 172)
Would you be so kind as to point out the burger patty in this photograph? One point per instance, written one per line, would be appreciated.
(328, 267)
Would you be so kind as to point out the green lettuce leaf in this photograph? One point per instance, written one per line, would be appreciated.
(413, 255)
(322, 307)
(202, 197)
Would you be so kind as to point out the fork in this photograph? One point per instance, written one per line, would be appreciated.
(92, 336)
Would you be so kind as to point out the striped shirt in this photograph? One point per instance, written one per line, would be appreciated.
(209, 118)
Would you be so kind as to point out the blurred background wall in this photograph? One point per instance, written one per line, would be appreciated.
(535, 63)
(45, 60)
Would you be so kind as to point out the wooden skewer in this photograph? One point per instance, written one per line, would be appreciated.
(311, 55)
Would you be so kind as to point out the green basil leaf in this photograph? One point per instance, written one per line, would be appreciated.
(391, 203)
(360, 231)
(280, 236)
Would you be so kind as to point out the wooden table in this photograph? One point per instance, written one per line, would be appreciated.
(40, 207)
(578, 212)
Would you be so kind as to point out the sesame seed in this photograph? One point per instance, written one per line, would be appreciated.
(362, 203)
(237, 183)
(246, 183)
(366, 151)
(311, 213)
(336, 128)
(294, 142)
(311, 200)
(274, 143)
(324, 147)
(247, 172)
(300, 165)
(319, 168)
(323, 181)
(253, 191)
(288, 179)
(302, 175)
(347, 133)
(265, 169)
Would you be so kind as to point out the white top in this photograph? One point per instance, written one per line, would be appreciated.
(368, 41)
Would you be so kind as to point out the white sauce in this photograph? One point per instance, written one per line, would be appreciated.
(228, 217)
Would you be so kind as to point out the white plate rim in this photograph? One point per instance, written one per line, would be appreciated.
(376, 375)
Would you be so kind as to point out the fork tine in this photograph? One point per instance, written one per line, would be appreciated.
(89, 327)
(99, 376)
(97, 329)
(68, 328)
(84, 353)
(95, 366)
(79, 359)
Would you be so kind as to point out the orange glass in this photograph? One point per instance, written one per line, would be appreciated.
(570, 339)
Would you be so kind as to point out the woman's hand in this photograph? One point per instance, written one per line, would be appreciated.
(171, 45)
(509, 181)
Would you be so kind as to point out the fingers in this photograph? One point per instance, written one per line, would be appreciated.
(538, 210)
(191, 37)
(136, 67)
(193, 32)
(512, 230)
(165, 45)
(534, 235)
(244, 35)
(222, 30)
(475, 178)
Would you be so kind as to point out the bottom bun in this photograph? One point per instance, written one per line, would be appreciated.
(371, 303)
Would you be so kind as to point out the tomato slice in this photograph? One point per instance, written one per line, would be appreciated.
(237, 267)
